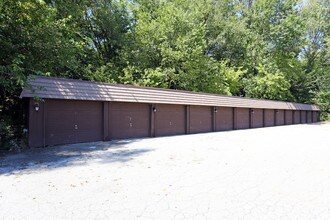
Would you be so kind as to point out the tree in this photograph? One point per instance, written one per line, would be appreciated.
(315, 53)
(171, 48)
(32, 41)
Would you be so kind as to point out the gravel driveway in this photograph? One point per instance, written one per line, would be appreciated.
(271, 173)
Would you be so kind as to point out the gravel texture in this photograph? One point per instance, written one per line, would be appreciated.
(269, 173)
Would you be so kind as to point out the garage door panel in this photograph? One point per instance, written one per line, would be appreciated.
(129, 133)
(170, 120)
(296, 118)
(243, 118)
(257, 118)
(88, 136)
(303, 117)
(129, 120)
(69, 121)
(60, 120)
(280, 117)
(60, 105)
(224, 119)
(90, 120)
(60, 138)
(309, 117)
(269, 117)
(288, 117)
(200, 119)
(88, 105)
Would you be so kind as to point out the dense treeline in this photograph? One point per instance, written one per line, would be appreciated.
(272, 49)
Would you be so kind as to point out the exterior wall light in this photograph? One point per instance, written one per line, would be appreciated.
(215, 109)
(252, 111)
(36, 106)
(154, 109)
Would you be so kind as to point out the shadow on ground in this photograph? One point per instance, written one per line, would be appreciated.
(69, 155)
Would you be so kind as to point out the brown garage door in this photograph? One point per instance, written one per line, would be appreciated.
(303, 117)
(224, 119)
(200, 119)
(170, 120)
(269, 117)
(296, 117)
(288, 117)
(129, 120)
(309, 117)
(69, 121)
(257, 118)
(242, 118)
(279, 117)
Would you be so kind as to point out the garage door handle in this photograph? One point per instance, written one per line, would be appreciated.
(76, 127)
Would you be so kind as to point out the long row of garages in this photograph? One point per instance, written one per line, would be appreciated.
(71, 121)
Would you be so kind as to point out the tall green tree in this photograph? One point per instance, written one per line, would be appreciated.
(32, 41)
(315, 54)
(171, 48)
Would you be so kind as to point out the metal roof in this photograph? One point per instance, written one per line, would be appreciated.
(59, 88)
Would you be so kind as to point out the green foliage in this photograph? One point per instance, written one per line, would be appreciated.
(267, 84)
(107, 24)
(171, 50)
(322, 98)
(170, 37)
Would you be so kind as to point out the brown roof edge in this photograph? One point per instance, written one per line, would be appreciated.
(42, 81)
(151, 88)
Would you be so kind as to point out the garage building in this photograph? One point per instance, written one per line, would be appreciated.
(63, 111)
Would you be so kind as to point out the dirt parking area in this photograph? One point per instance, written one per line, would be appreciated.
(269, 173)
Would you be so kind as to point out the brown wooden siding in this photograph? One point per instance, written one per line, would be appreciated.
(89, 119)
(129, 120)
(68, 121)
(200, 119)
(170, 120)
(224, 119)
(257, 118)
(309, 117)
(288, 117)
(243, 118)
(296, 117)
(269, 117)
(106, 136)
(60, 122)
(36, 124)
(279, 117)
(303, 117)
